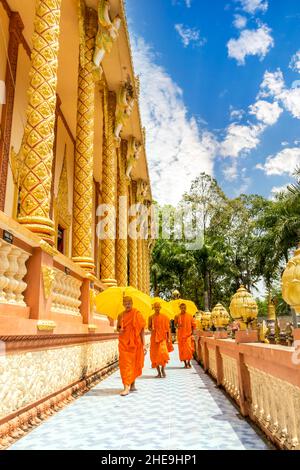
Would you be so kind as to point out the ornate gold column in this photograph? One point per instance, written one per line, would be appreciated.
(132, 243)
(83, 173)
(122, 219)
(109, 188)
(37, 147)
(140, 261)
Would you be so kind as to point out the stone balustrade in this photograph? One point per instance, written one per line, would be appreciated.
(264, 380)
(12, 273)
(66, 294)
(230, 380)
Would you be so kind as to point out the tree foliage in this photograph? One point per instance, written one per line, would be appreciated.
(244, 241)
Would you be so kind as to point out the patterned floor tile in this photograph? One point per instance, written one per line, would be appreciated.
(185, 411)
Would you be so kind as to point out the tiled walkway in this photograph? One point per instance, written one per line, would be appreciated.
(185, 411)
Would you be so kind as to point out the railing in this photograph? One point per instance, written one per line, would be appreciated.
(66, 294)
(43, 290)
(264, 380)
(12, 272)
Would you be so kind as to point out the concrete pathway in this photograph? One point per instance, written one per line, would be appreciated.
(185, 411)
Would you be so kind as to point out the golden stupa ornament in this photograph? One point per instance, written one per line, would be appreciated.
(243, 307)
(206, 320)
(291, 282)
(176, 294)
(198, 318)
(220, 317)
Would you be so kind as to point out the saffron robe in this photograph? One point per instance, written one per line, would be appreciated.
(131, 350)
(186, 323)
(160, 328)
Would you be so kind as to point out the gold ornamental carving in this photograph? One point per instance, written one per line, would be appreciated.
(46, 325)
(108, 32)
(133, 154)
(125, 103)
(142, 191)
(48, 280)
(38, 141)
(83, 172)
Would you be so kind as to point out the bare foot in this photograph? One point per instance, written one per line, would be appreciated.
(133, 388)
(125, 391)
(158, 376)
(164, 374)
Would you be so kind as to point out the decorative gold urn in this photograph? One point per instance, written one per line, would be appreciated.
(176, 294)
(206, 320)
(220, 317)
(291, 282)
(243, 308)
(198, 318)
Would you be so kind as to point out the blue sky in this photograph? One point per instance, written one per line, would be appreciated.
(219, 92)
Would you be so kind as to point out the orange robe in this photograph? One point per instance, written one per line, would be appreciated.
(160, 327)
(131, 351)
(186, 345)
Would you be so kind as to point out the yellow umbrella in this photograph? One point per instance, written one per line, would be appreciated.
(191, 307)
(110, 302)
(166, 309)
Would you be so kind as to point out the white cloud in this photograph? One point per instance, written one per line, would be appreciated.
(230, 172)
(236, 114)
(240, 21)
(177, 148)
(295, 62)
(189, 35)
(279, 189)
(291, 101)
(240, 139)
(267, 113)
(256, 42)
(286, 161)
(188, 3)
(273, 86)
(252, 6)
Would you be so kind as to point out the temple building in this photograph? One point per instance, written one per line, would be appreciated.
(72, 166)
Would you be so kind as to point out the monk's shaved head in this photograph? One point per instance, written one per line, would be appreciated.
(182, 307)
(157, 307)
(127, 302)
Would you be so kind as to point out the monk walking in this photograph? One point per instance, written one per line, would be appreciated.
(131, 327)
(159, 325)
(186, 325)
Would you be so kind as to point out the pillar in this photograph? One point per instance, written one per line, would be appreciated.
(37, 147)
(15, 31)
(84, 161)
(122, 219)
(132, 244)
(109, 189)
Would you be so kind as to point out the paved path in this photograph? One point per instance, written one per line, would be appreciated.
(185, 411)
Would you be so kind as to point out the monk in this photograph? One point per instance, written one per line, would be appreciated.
(186, 325)
(159, 325)
(131, 326)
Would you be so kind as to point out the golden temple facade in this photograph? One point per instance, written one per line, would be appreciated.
(72, 165)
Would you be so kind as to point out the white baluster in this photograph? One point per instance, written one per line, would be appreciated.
(4, 265)
(11, 272)
(22, 259)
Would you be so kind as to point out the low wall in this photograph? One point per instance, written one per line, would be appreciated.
(263, 380)
(41, 374)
